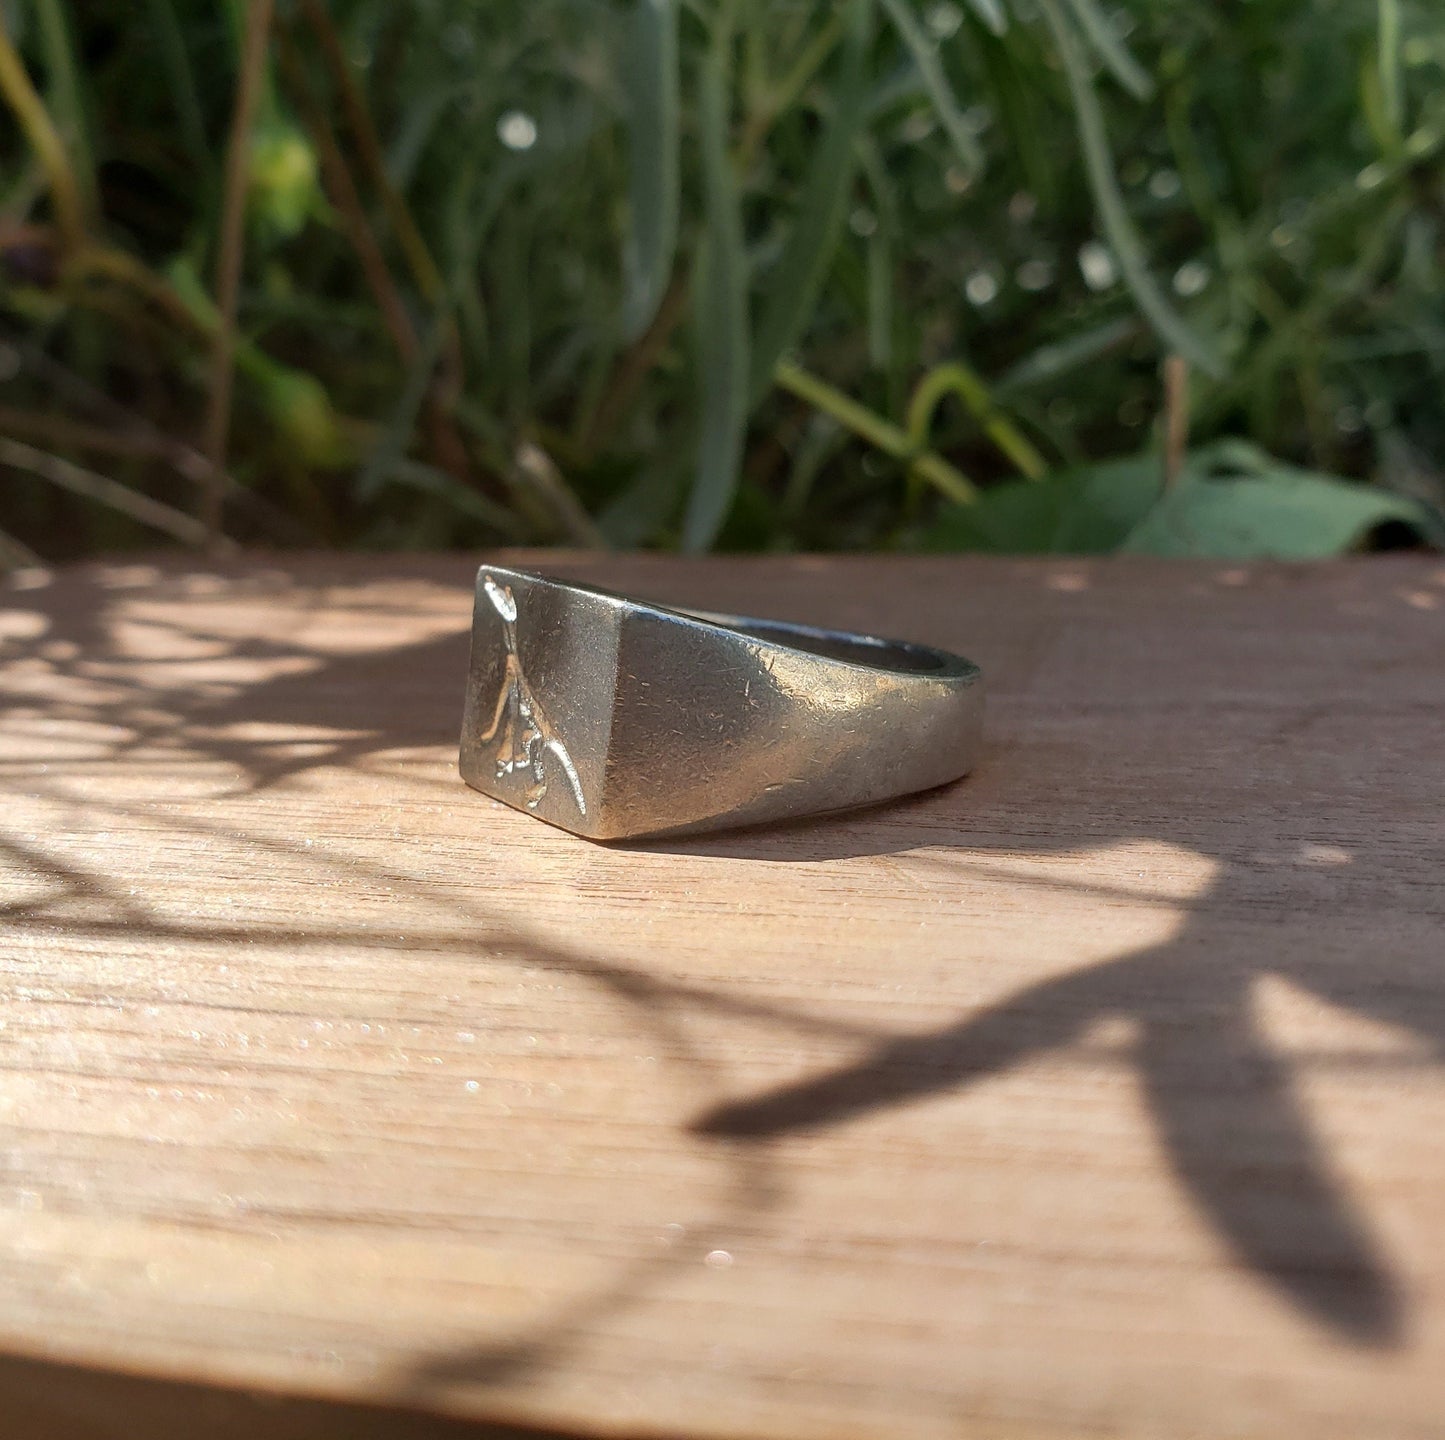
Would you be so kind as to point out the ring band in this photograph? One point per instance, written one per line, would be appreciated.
(616, 719)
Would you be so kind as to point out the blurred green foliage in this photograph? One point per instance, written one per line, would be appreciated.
(763, 274)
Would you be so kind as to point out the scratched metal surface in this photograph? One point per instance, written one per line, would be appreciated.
(673, 723)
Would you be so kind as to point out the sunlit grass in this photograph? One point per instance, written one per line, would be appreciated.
(738, 272)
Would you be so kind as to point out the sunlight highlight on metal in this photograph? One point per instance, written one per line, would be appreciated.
(677, 722)
(527, 737)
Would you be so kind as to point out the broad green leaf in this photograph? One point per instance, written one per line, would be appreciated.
(924, 51)
(792, 289)
(1230, 501)
(721, 316)
(1088, 511)
(651, 92)
(1277, 513)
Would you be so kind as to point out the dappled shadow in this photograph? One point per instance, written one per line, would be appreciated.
(83, 903)
(47, 1400)
(269, 706)
(1226, 1108)
(1313, 907)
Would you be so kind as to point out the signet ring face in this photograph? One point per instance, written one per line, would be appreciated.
(617, 719)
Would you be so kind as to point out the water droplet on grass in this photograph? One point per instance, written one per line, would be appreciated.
(517, 130)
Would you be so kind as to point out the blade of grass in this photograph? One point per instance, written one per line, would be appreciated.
(416, 130)
(1188, 159)
(955, 378)
(1113, 215)
(632, 369)
(596, 423)
(882, 434)
(651, 86)
(389, 450)
(1024, 119)
(924, 51)
(428, 480)
(510, 262)
(883, 245)
(368, 144)
(229, 256)
(15, 555)
(21, 95)
(880, 300)
(171, 43)
(1392, 97)
(991, 16)
(782, 95)
(821, 440)
(721, 312)
(448, 449)
(1049, 362)
(65, 94)
(104, 491)
(141, 440)
(792, 290)
(470, 220)
(1111, 49)
(344, 195)
(534, 469)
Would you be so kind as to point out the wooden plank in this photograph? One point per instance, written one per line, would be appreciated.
(1101, 1093)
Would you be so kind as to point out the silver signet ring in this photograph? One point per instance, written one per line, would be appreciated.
(612, 718)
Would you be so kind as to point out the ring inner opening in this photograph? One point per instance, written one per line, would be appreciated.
(854, 649)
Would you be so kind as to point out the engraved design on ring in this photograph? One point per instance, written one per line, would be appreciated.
(527, 736)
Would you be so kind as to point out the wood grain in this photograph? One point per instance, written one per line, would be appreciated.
(1103, 1093)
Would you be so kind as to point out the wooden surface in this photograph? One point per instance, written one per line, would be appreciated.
(1103, 1093)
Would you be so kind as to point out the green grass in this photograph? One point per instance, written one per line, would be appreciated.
(757, 274)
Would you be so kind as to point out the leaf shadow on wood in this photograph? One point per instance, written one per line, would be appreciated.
(49, 1400)
(84, 903)
(345, 704)
(1226, 1107)
(1227, 1115)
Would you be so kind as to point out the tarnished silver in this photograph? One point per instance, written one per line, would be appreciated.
(613, 718)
